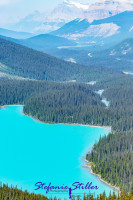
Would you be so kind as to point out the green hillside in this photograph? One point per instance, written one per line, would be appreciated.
(28, 63)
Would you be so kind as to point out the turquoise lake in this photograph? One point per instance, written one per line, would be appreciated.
(34, 152)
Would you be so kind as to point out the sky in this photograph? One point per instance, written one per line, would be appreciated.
(12, 11)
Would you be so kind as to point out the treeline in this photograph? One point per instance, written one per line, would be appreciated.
(11, 193)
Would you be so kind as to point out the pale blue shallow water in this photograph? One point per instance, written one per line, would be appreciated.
(35, 152)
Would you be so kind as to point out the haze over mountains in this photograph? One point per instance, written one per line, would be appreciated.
(89, 43)
(14, 34)
(69, 10)
(86, 34)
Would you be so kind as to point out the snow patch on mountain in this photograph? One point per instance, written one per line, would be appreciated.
(76, 4)
(107, 8)
(89, 54)
(105, 30)
(125, 51)
(72, 60)
(112, 53)
(102, 30)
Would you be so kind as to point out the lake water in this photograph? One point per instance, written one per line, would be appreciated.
(34, 152)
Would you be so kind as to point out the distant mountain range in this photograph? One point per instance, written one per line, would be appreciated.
(68, 11)
(80, 34)
(93, 49)
(105, 31)
(96, 42)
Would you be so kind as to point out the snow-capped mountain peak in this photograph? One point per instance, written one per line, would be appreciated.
(76, 4)
(107, 8)
(115, 5)
(70, 10)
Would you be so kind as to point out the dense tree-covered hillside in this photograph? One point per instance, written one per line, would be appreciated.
(112, 156)
(71, 104)
(20, 91)
(54, 103)
(28, 63)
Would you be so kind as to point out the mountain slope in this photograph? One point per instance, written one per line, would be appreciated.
(119, 57)
(110, 30)
(28, 63)
(75, 26)
(14, 34)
